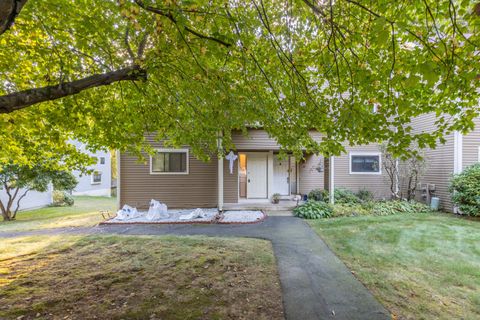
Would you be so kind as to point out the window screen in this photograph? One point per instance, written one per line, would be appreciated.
(170, 162)
(365, 163)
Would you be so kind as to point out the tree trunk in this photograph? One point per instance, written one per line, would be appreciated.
(9, 10)
(18, 204)
(5, 212)
(23, 99)
(409, 192)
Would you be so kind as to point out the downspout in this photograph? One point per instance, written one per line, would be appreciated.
(220, 170)
(331, 176)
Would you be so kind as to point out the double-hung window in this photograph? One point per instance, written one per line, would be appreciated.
(365, 163)
(169, 161)
(96, 177)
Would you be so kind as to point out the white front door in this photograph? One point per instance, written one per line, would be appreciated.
(256, 176)
(281, 181)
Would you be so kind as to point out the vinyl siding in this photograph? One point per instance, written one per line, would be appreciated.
(32, 200)
(230, 183)
(439, 162)
(257, 139)
(378, 184)
(309, 176)
(198, 188)
(471, 143)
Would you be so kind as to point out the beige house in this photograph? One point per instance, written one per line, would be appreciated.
(177, 178)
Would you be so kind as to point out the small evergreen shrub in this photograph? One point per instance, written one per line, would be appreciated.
(364, 195)
(62, 199)
(465, 190)
(313, 210)
(318, 195)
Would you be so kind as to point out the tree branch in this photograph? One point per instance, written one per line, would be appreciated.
(9, 10)
(23, 99)
(169, 15)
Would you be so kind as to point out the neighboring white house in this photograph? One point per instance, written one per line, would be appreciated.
(32, 200)
(98, 183)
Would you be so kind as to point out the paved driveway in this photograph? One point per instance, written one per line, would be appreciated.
(315, 283)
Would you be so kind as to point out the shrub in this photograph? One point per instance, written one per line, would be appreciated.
(342, 196)
(465, 190)
(318, 195)
(349, 210)
(345, 196)
(386, 208)
(62, 199)
(380, 208)
(364, 195)
(313, 210)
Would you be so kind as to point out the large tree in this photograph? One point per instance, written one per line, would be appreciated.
(108, 71)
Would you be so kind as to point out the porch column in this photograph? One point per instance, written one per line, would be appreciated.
(220, 171)
(270, 174)
(331, 184)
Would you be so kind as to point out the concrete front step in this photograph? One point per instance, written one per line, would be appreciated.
(283, 205)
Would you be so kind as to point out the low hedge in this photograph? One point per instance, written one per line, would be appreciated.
(313, 210)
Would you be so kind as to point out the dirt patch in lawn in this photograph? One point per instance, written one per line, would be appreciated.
(125, 277)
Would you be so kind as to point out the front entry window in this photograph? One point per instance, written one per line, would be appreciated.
(242, 175)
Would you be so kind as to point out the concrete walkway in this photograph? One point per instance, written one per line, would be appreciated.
(315, 283)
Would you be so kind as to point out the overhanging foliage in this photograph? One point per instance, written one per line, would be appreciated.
(289, 66)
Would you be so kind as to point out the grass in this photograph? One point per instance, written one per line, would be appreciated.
(84, 213)
(423, 266)
(138, 277)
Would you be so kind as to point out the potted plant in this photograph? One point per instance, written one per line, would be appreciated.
(276, 198)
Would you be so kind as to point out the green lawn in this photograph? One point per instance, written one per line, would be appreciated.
(85, 212)
(138, 277)
(424, 266)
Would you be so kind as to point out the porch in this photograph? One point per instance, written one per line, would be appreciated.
(261, 204)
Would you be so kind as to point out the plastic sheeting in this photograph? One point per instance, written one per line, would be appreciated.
(157, 211)
(127, 213)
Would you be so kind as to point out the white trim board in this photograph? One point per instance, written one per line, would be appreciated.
(457, 152)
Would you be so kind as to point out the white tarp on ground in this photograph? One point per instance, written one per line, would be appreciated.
(173, 216)
(242, 216)
(158, 212)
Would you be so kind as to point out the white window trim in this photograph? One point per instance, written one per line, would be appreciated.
(101, 177)
(171, 151)
(365, 153)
